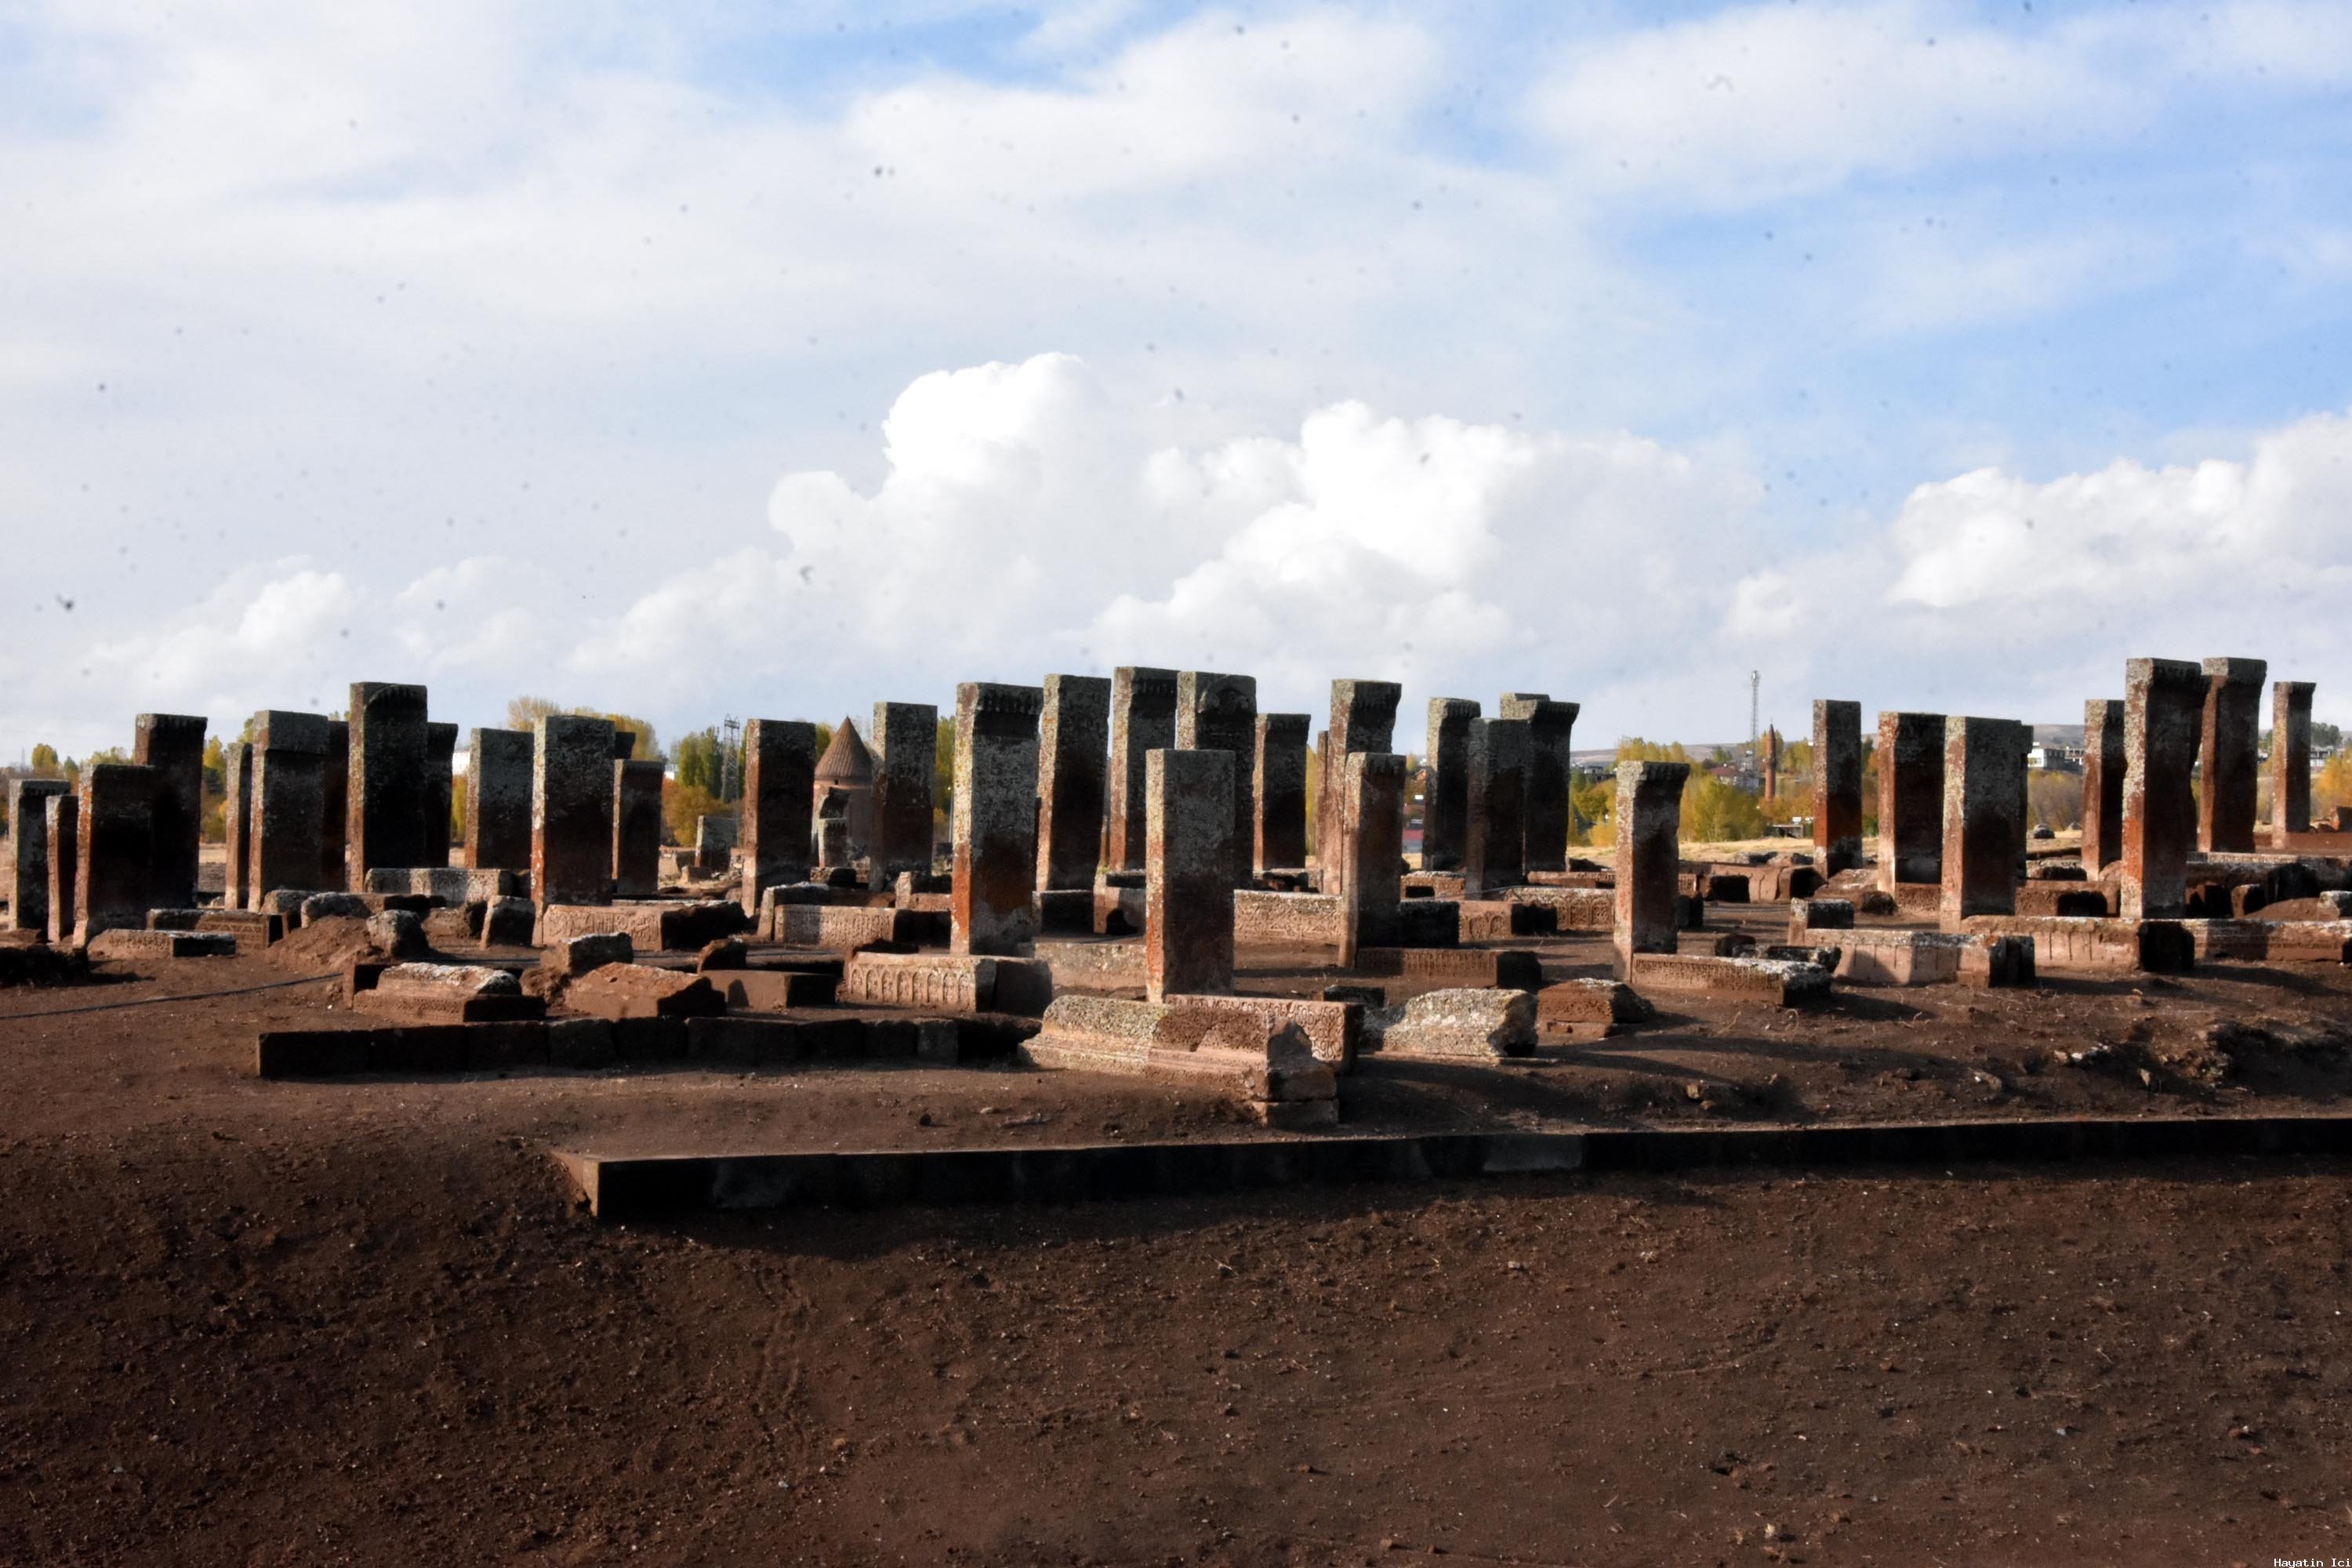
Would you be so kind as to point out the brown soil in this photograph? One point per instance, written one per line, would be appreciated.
(281, 1323)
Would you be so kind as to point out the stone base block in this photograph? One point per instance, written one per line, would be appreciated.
(1483, 920)
(126, 943)
(1934, 958)
(2272, 942)
(1267, 1069)
(1097, 964)
(1483, 1025)
(1917, 901)
(619, 991)
(1419, 923)
(449, 884)
(1456, 966)
(1432, 885)
(1778, 982)
(2065, 944)
(1572, 909)
(1286, 920)
(947, 983)
(446, 993)
(1588, 1010)
(845, 929)
(651, 926)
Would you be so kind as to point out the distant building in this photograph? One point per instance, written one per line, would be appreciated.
(2053, 758)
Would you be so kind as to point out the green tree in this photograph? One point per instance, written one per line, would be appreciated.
(942, 779)
(44, 762)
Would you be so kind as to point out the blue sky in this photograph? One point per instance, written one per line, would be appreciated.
(777, 360)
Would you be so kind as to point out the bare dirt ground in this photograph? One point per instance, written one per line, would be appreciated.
(360, 1321)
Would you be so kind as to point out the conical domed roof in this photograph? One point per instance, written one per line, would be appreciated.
(847, 761)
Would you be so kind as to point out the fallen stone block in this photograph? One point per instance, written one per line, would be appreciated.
(1572, 909)
(574, 956)
(1719, 944)
(1431, 884)
(947, 983)
(1268, 1070)
(1778, 982)
(124, 943)
(1482, 1025)
(652, 926)
(624, 991)
(447, 994)
(2067, 945)
(1334, 1029)
(319, 905)
(397, 933)
(1500, 920)
(1453, 966)
(845, 929)
(1588, 1010)
(2335, 906)
(2271, 942)
(449, 884)
(508, 922)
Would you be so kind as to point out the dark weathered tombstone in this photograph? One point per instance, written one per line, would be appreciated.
(1142, 720)
(2231, 752)
(335, 816)
(1837, 785)
(1279, 789)
(288, 759)
(440, 793)
(571, 810)
(1445, 792)
(173, 745)
(779, 794)
(29, 837)
(1648, 857)
(1984, 772)
(1073, 750)
(1494, 842)
(1363, 719)
(2163, 699)
(1368, 851)
(905, 742)
(994, 819)
(498, 800)
(637, 829)
(389, 793)
(117, 850)
(1189, 850)
(2103, 785)
(1910, 798)
(1551, 729)
(1219, 713)
(236, 824)
(61, 819)
(2290, 757)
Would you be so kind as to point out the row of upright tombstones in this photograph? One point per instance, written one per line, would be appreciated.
(1164, 771)
(1952, 806)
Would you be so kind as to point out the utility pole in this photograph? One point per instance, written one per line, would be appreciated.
(730, 758)
(1754, 759)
